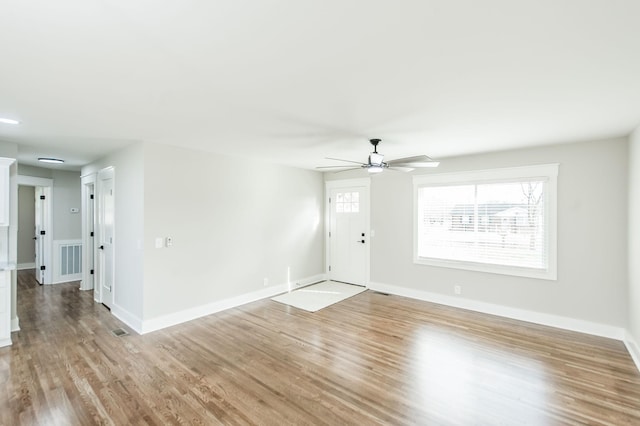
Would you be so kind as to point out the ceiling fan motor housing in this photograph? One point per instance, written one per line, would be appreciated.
(376, 159)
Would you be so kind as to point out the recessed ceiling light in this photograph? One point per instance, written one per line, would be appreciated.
(51, 160)
(8, 121)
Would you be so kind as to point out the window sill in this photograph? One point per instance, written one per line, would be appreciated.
(543, 274)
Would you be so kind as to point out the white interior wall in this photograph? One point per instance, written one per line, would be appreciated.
(231, 233)
(66, 195)
(129, 229)
(592, 236)
(233, 223)
(634, 239)
(34, 171)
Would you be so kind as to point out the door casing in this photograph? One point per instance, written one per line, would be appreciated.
(44, 187)
(105, 267)
(88, 226)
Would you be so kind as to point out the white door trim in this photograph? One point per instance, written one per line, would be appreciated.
(47, 184)
(106, 173)
(88, 224)
(347, 183)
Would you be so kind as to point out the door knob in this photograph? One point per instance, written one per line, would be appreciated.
(101, 247)
(360, 241)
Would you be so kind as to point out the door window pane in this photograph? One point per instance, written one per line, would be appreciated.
(348, 202)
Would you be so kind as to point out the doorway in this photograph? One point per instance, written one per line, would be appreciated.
(25, 242)
(348, 237)
(41, 237)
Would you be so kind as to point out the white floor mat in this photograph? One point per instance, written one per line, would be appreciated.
(317, 296)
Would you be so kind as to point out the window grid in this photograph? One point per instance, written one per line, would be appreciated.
(347, 202)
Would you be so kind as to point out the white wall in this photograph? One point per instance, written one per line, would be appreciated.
(592, 236)
(34, 171)
(233, 222)
(8, 150)
(66, 195)
(634, 239)
(129, 228)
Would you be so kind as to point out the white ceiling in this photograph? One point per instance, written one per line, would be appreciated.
(294, 81)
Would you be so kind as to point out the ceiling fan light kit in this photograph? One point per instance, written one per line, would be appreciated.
(376, 164)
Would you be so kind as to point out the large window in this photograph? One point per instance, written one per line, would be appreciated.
(500, 221)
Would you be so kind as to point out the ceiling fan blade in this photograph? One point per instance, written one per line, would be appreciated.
(346, 170)
(416, 165)
(332, 167)
(415, 159)
(400, 168)
(347, 161)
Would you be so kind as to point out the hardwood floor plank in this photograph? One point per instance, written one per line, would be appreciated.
(371, 359)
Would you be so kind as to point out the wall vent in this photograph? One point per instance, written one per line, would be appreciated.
(68, 260)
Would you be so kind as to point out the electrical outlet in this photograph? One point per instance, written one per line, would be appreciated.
(457, 289)
(266, 282)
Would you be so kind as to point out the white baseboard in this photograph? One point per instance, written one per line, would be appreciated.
(84, 286)
(23, 266)
(66, 280)
(210, 308)
(633, 348)
(127, 317)
(5, 342)
(15, 324)
(550, 320)
(221, 305)
(296, 284)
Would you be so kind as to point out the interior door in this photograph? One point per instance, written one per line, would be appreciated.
(106, 236)
(348, 236)
(40, 233)
(89, 238)
(92, 232)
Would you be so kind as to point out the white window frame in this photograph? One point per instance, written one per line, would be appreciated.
(546, 172)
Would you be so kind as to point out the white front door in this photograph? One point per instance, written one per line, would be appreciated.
(106, 236)
(349, 234)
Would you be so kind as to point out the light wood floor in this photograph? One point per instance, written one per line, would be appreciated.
(372, 359)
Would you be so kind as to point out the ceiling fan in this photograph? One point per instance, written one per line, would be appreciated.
(376, 164)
